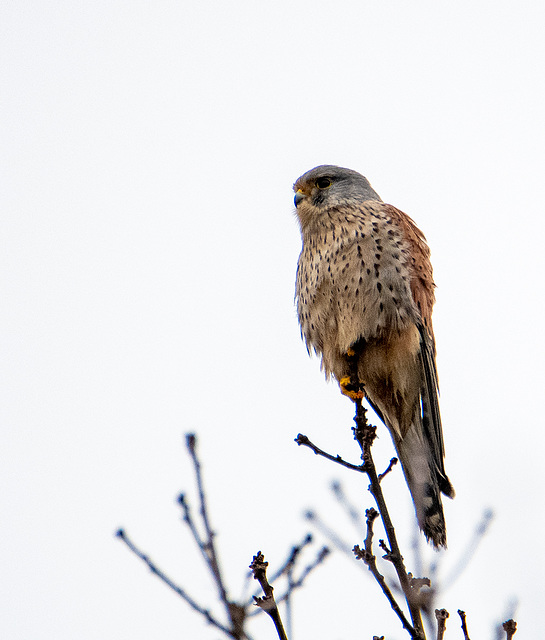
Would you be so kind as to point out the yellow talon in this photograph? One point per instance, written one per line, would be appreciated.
(345, 384)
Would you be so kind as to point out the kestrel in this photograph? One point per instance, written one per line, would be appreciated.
(364, 296)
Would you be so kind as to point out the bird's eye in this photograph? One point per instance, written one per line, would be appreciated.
(323, 183)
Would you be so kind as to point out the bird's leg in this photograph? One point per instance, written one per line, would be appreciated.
(351, 385)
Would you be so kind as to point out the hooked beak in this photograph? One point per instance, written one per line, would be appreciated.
(299, 196)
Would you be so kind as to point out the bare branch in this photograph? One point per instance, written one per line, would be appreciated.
(268, 604)
(370, 560)
(289, 565)
(208, 547)
(188, 519)
(170, 583)
(237, 611)
(296, 584)
(303, 440)
(292, 558)
(441, 616)
(364, 434)
(462, 615)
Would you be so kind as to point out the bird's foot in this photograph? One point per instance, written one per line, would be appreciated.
(348, 388)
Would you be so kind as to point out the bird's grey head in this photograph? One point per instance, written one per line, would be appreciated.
(329, 186)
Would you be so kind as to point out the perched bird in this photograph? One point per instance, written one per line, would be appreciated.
(364, 295)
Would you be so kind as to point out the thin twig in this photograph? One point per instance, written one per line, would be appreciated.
(236, 613)
(370, 560)
(462, 615)
(292, 558)
(284, 568)
(303, 440)
(296, 584)
(441, 616)
(177, 589)
(510, 628)
(289, 609)
(328, 532)
(267, 603)
(353, 513)
(393, 462)
(208, 548)
(471, 548)
(188, 519)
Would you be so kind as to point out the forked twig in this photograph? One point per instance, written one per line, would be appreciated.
(370, 560)
(293, 584)
(237, 612)
(322, 554)
(291, 559)
(207, 546)
(171, 584)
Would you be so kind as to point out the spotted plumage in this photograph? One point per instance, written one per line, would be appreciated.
(364, 284)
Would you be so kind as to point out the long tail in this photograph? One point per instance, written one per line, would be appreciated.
(421, 453)
(421, 474)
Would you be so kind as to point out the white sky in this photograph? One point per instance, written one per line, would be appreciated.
(149, 248)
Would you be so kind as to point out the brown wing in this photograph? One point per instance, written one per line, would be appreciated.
(422, 285)
(422, 289)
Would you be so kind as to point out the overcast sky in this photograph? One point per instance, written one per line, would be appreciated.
(149, 248)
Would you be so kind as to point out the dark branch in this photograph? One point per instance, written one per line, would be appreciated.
(267, 603)
(441, 616)
(370, 560)
(364, 434)
(510, 628)
(462, 615)
(289, 565)
(303, 440)
(297, 583)
(393, 462)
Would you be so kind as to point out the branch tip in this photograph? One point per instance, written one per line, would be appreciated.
(510, 628)
(191, 442)
(441, 616)
(393, 462)
(462, 615)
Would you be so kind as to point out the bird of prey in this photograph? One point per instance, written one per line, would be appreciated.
(364, 295)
